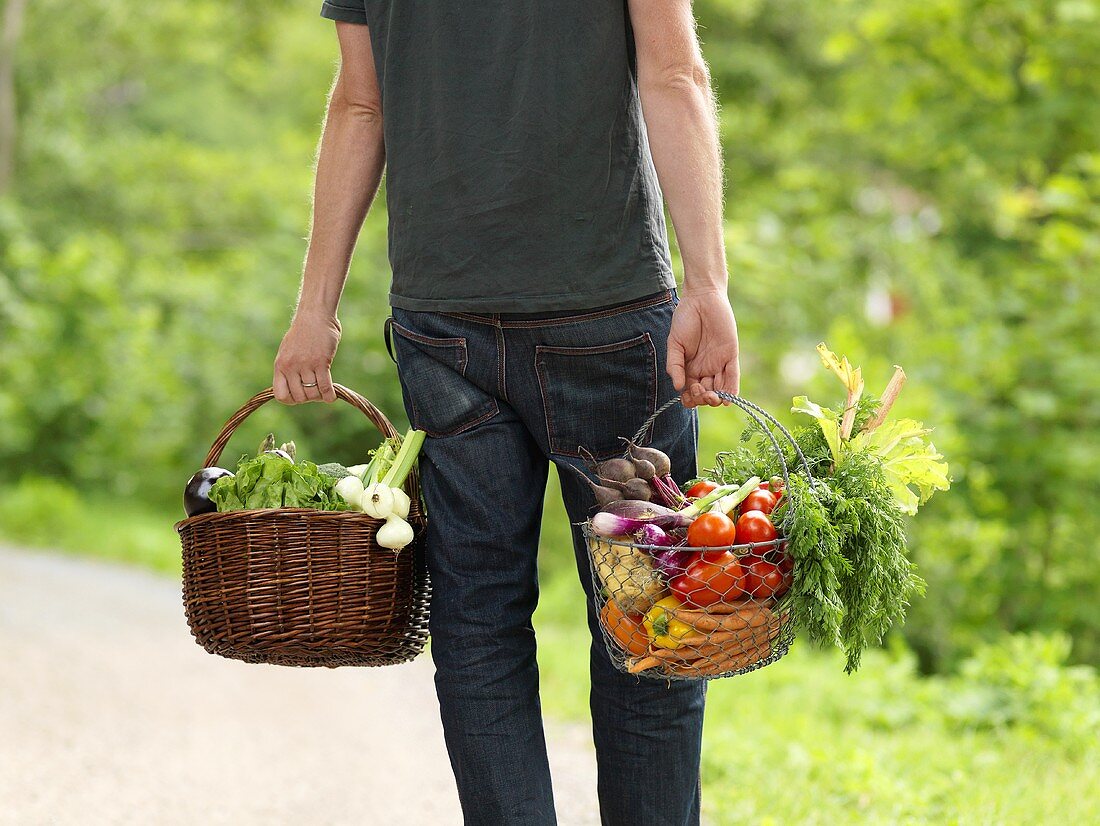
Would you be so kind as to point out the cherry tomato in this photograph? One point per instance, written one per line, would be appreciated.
(754, 526)
(700, 488)
(763, 579)
(711, 530)
(759, 500)
(711, 578)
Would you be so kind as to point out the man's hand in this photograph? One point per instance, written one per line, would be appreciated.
(702, 349)
(304, 358)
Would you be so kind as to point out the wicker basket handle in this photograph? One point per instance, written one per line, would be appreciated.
(376, 416)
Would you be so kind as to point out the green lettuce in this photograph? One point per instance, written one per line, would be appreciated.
(911, 463)
(271, 481)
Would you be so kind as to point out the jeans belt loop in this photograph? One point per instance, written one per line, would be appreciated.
(387, 336)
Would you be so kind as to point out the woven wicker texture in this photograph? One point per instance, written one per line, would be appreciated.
(301, 587)
(738, 622)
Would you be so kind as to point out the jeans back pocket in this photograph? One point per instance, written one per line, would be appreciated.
(441, 401)
(593, 395)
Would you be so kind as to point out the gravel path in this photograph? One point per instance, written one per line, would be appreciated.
(111, 714)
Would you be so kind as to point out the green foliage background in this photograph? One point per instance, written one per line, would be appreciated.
(916, 183)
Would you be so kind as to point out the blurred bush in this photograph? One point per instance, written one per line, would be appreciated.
(1023, 682)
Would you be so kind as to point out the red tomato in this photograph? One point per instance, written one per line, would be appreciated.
(754, 526)
(711, 530)
(764, 579)
(759, 500)
(700, 488)
(710, 579)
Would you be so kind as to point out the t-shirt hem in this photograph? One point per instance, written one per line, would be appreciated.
(538, 303)
(343, 14)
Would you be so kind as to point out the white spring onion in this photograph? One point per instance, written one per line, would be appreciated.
(378, 500)
(395, 534)
(351, 489)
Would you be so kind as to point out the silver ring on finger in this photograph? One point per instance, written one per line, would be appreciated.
(309, 384)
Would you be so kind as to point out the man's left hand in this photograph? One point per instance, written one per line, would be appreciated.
(702, 348)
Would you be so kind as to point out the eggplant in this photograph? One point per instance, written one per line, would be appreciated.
(196, 496)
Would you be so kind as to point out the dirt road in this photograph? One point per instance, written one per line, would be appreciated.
(110, 714)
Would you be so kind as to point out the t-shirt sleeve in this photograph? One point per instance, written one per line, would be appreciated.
(346, 11)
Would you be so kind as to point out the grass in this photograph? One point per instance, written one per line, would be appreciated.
(797, 742)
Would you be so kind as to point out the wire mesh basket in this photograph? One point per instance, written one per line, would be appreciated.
(667, 618)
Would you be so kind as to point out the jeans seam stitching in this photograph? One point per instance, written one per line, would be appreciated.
(593, 315)
(652, 389)
(438, 342)
(493, 409)
(545, 404)
(644, 338)
(502, 371)
(463, 361)
(599, 349)
(589, 315)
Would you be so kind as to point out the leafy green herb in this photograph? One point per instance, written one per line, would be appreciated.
(814, 545)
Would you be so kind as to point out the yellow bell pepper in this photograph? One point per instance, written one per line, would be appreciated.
(663, 628)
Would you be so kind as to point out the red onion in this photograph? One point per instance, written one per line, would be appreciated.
(628, 515)
(652, 535)
(673, 562)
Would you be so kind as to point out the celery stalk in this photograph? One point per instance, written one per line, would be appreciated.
(405, 458)
(734, 495)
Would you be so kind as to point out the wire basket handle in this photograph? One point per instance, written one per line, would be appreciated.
(376, 416)
(760, 416)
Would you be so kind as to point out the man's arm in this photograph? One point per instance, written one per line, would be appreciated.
(679, 110)
(350, 161)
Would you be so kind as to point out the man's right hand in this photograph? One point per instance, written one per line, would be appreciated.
(305, 358)
(702, 348)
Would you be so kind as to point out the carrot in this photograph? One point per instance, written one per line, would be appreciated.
(719, 644)
(713, 665)
(741, 618)
(717, 637)
(706, 622)
(689, 652)
(640, 664)
(732, 607)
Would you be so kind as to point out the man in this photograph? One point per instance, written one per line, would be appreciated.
(534, 313)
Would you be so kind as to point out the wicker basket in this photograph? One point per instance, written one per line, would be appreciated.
(727, 637)
(304, 587)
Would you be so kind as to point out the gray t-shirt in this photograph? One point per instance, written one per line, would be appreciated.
(518, 172)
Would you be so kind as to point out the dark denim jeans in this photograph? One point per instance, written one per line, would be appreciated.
(500, 397)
